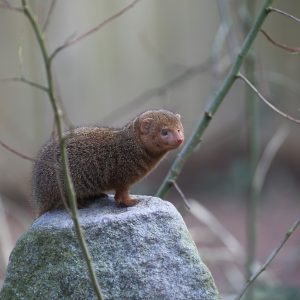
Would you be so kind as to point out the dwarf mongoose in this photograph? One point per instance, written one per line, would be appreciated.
(104, 159)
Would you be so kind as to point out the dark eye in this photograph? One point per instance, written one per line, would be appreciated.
(164, 132)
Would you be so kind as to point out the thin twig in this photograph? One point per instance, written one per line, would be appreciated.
(227, 21)
(222, 35)
(27, 81)
(158, 91)
(233, 246)
(183, 197)
(202, 214)
(268, 155)
(5, 4)
(279, 45)
(73, 41)
(20, 61)
(269, 259)
(272, 9)
(297, 121)
(58, 173)
(205, 216)
(26, 157)
(66, 118)
(10, 149)
(51, 9)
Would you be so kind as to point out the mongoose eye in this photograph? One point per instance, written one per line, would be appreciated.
(164, 132)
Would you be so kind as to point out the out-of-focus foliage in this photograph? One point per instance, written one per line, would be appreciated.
(170, 54)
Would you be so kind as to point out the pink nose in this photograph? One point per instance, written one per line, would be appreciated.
(179, 141)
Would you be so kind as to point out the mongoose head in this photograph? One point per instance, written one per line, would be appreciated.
(160, 130)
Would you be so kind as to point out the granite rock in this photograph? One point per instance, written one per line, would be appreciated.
(141, 252)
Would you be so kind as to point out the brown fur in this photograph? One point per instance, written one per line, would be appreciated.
(104, 159)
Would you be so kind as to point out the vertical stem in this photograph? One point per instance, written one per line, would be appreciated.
(252, 116)
(58, 114)
(252, 124)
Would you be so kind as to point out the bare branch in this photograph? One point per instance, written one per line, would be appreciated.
(185, 200)
(10, 149)
(297, 121)
(159, 90)
(73, 41)
(226, 20)
(272, 9)
(206, 217)
(47, 21)
(27, 81)
(67, 120)
(6, 5)
(279, 45)
(269, 153)
(269, 260)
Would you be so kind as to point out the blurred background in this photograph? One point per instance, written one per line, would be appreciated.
(169, 54)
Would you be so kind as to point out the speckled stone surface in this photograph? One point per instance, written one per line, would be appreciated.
(141, 252)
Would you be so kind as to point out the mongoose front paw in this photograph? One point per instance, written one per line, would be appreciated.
(128, 202)
(123, 199)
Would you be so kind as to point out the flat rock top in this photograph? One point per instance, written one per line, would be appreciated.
(139, 253)
(106, 210)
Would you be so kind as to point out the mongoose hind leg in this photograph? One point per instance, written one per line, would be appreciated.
(84, 202)
(102, 195)
(123, 199)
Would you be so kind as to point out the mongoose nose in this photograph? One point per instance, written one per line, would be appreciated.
(179, 141)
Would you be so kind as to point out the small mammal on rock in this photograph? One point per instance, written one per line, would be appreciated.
(104, 159)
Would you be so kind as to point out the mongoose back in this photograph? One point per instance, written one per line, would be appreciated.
(105, 159)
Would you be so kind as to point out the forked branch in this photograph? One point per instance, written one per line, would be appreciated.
(58, 114)
(71, 41)
(26, 81)
(215, 103)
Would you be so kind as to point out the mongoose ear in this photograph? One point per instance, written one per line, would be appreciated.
(145, 125)
(178, 116)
